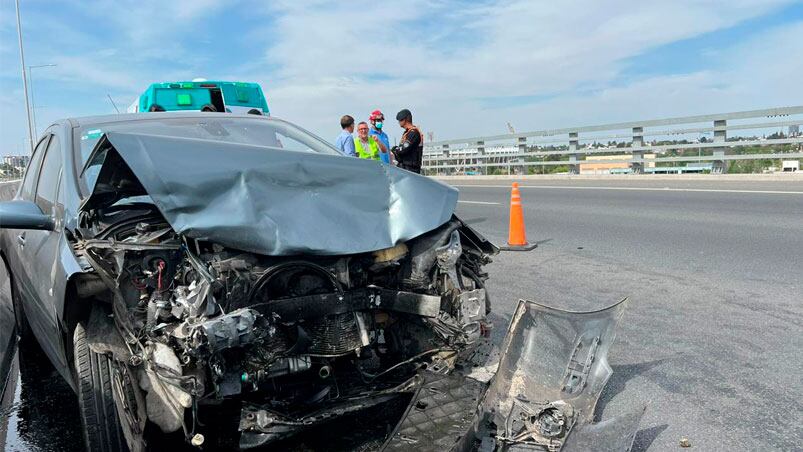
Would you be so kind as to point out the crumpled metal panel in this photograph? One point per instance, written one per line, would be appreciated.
(553, 368)
(279, 202)
(545, 355)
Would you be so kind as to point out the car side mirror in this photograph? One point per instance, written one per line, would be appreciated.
(20, 214)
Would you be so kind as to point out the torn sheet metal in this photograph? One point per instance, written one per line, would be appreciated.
(270, 201)
(552, 370)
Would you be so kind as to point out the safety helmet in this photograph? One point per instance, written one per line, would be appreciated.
(375, 114)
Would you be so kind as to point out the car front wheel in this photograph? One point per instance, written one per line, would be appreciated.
(102, 431)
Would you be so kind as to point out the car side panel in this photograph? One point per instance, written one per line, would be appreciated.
(45, 283)
(42, 277)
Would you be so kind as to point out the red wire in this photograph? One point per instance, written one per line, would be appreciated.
(159, 281)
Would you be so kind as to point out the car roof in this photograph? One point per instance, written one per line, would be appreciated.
(125, 117)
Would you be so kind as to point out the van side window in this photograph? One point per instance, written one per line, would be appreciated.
(32, 172)
(47, 189)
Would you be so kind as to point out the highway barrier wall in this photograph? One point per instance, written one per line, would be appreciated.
(691, 144)
(774, 177)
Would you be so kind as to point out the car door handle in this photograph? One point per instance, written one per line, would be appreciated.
(21, 239)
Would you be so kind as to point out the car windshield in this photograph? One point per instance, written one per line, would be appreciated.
(260, 131)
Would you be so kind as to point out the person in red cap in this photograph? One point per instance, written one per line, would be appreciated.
(377, 120)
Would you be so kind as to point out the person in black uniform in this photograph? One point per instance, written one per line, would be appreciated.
(410, 150)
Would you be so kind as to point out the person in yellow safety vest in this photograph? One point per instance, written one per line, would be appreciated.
(366, 146)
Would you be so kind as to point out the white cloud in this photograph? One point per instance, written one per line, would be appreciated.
(329, 56)
(129, 40)
(760, 73)
(98, 47)
(443, 59)
(153, 26)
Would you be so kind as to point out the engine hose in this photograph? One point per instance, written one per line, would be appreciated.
(271, 272)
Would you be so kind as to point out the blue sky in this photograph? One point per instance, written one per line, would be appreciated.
(462, 67)
(701, 51)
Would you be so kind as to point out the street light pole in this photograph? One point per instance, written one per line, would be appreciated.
(33, 101)
(24, 78)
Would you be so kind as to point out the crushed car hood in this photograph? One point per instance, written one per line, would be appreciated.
(269, 201)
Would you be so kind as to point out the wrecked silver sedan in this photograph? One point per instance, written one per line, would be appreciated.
(179, 266)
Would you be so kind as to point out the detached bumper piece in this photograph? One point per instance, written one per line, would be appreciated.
(552, 370)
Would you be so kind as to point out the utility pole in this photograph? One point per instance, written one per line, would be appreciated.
(113, 104)
(33, 101)
(24, 77)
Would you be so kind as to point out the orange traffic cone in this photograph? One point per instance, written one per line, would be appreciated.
(517, 235)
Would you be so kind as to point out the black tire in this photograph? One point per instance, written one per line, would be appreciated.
(102, 431)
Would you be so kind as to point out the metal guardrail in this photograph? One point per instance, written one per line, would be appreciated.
(522, 150)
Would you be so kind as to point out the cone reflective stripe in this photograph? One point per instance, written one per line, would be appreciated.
(517, 236)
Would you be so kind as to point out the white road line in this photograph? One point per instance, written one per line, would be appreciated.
(479, 202)
(711, 190)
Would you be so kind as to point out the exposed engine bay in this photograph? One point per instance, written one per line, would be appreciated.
(291, 342)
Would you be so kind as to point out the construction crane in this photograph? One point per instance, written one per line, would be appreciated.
(510, 128)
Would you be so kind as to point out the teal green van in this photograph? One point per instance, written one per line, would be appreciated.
(206, 95)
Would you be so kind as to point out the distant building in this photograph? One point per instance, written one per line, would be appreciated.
(790, 166)
(693, 167)
(466, 160)
(794, 130)
(16, 161)
(602, 164)
(471, 152)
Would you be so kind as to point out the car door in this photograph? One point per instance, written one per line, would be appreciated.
(13, 238)
(39, 252)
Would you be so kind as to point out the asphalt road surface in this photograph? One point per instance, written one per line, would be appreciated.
(712, 340)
